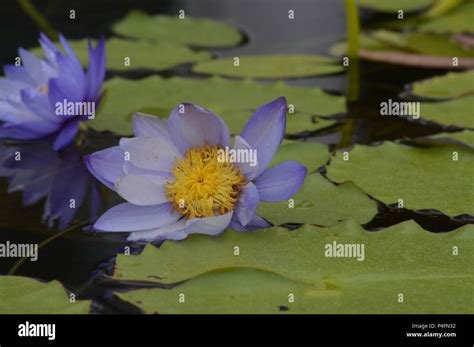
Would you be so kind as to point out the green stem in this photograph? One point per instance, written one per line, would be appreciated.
(38, 18)
(441, 7)
(353, 28)
(21, 261)
(353, 73)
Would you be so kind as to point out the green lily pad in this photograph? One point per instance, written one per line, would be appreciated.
(436, 45)
(189, 31)
(295, 123)
(312, 155)
(420, 43)
(365, 41)
(271, 66)
(395, 5)
(451, 85)
(321, 202)
(300, 254)
(131, 55)
(457, 20)
(273, 263)
(22, 295)
(156, 95)
(465, 136)
(251, 291)
(458, 112)
(424, 178)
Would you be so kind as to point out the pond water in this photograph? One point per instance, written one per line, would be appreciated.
(79, 258)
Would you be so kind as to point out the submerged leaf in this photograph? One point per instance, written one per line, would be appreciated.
(271, 66)
(424, 178)
(189, 31)
(22, 295)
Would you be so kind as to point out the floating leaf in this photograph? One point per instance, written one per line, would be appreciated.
(395, 5)
(251, 291)
(22, 295)
(466, 137)
(139, 54)
(424, 178)
(463, 138)
(458, 112)
(190, 31)
(451, 85)
(284, 262)
(427, 44)
(312, 155)
(321, 202)
(159, 96)
(295, 123)
(271, 66)
(365, 41)
(456, 21)
(300, 254)
(436, 45)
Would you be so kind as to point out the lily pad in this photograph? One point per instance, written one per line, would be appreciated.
(458, 112)
(132, 55)
(321, 202)
(312, 155)
(156, 95)
(451, 85)
(297, 262)
(463, 138)
(420, 43)
(251, 291)
(436, 45)
(189, 31)
(271, 66)
(365, 41)
(295, 123)
(422, 177)
(466, 137)
(457, 20)
(395, 5)
(22, 295)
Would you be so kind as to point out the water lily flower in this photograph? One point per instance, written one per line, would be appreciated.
(177, 182)
(30, 93)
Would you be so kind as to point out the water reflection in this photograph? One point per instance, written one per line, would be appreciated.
(59, 178)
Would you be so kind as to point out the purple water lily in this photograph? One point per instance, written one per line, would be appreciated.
(178, 177)
(32, 94)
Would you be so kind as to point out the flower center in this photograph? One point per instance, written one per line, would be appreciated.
(203, 186)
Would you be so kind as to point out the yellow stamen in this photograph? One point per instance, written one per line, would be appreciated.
(43, 89)
(203, 186)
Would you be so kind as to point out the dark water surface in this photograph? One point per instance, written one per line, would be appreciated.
(79, 257)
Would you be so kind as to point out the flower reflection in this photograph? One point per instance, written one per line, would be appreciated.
(60, 177)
